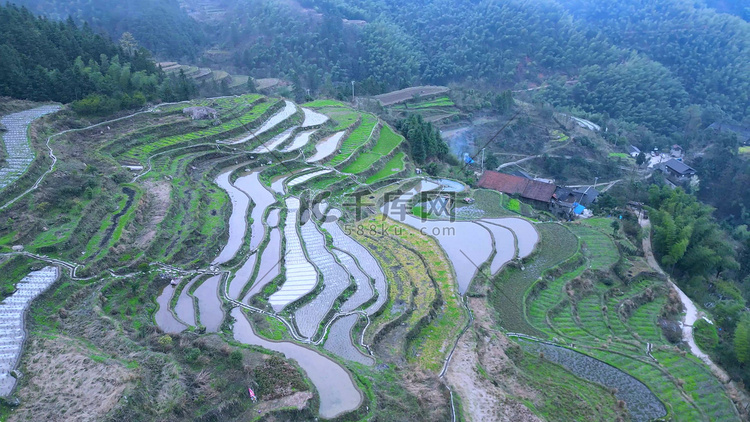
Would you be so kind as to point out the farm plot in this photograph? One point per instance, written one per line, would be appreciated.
(642, 404)
(358, 137)
(339, 341)
(325, 103)
(274, 142)
(17, 146)
(705, 390)
(597, 247)
(270, 264)
(364, 290)
(313, 118)
(12, 311)
(288, 111)
(444, 101)
(526, 235)
(367, 262)
(508, 289)
(209, 304)
(140, 152)
(335, 281)
(301, 276)
(387, 142)
(185, 307)
(163, 316)
(262, 199)
(402, 95)
(326, 147)
(302, 139)
(394, 166)
(305, 177)
(240, 278)
(238, 219)
(504, 242)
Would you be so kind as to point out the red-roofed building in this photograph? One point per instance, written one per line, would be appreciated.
(539, 193)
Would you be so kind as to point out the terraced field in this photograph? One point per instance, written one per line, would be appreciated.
(616, 323)
(359, 136)
(387, 142)
(174, 254)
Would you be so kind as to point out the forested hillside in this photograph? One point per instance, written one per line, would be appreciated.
(159, 25)
(45, 60)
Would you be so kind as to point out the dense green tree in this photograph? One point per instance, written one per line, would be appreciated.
(45, 60)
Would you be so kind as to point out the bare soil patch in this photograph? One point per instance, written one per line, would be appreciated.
(402, 95)
(69, 382)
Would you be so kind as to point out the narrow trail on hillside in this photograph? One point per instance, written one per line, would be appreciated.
(692, 314)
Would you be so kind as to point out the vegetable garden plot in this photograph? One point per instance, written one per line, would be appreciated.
(505, 246)
(358, 137)
(262, 198)
(364, 289)
(288, 111)
(339, 341)
(19, 151)
(326, 147)
(12, 312)
(209, 304)
(270, 264)
(642, 404)
(335, 281)
(301, 276)
(367, 262)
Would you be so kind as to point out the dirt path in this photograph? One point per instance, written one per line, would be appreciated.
(693, 314)
(481, 398)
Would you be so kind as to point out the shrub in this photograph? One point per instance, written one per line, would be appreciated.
(706, 336)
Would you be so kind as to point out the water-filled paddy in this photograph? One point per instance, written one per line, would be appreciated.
(209, 304)
(238, 218)
(262, 199)
(338, 393)
(326, 147)
(270, 264)
(163, 317)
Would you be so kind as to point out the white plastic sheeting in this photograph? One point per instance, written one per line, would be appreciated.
(335, 281)
(301, 276)
(367, 262)
(19, 152)
(12, 331)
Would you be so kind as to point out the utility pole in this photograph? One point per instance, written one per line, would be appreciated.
(352, 91)
(483, 160)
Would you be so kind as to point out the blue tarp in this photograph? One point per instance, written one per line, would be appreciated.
(578, 208)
